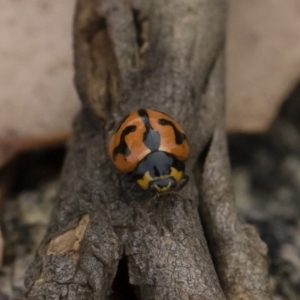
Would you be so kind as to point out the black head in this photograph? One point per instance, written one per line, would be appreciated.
(162, 185)
(159, 171)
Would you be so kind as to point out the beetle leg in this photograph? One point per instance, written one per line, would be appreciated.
(182, 182)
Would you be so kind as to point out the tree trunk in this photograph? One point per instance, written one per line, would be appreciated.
(165, 55)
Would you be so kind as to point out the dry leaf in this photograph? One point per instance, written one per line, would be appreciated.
(263, 61)
(38, 99)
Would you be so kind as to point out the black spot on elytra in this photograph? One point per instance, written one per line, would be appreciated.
(179, 136)
(122, 148)
(151, 137)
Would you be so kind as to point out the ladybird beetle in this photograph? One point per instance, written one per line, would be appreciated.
(152, 147)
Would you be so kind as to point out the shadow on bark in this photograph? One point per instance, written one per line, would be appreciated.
(166, 55)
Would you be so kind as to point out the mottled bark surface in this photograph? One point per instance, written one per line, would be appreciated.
(165, 55)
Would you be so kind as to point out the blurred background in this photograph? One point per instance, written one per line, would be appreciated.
(38, 103)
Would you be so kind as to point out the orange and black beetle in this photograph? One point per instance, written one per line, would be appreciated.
(152, 147)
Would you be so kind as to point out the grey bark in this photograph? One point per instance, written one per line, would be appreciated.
(166, 55)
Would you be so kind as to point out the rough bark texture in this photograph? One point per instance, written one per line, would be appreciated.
(165, 55)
